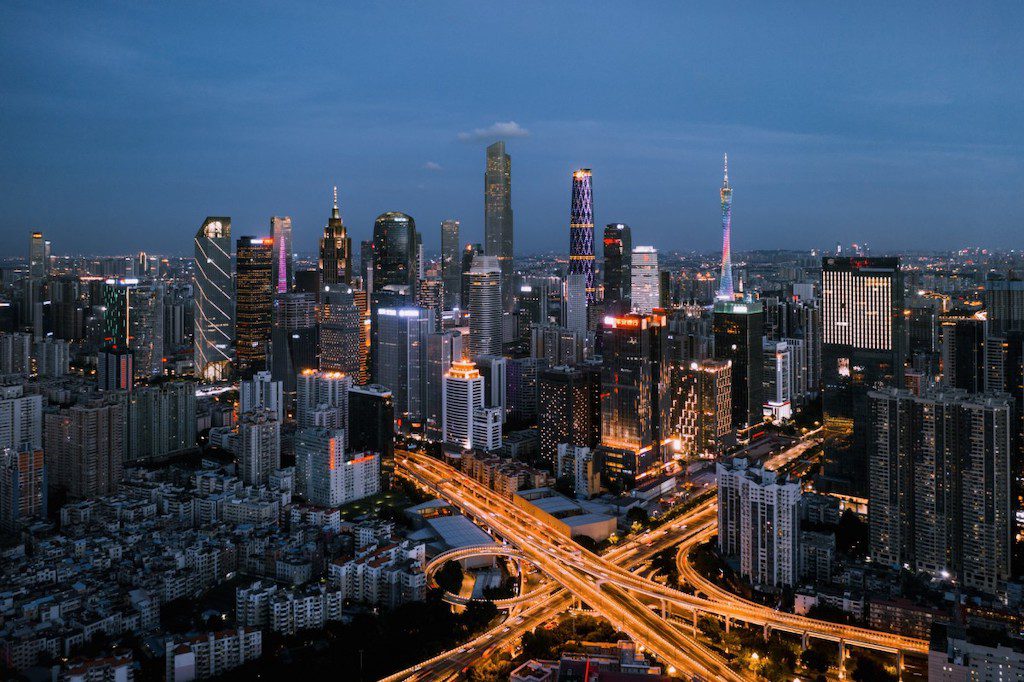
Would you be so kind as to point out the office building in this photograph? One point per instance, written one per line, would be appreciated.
(581, 230)
(963, 342)
(254, 301)
(371, 419)
(618, 279)
(498, 241)
(645, 284)
(575, 303)
(294, 336)
(281, 233)
(759, 522)
(213, 308)
(401, 356)
(259, 440)
(451, 271)
(634, 397)
(115, 368)
(430, 295)
(395, 249)
(133, 316)
(523, 389)
(335, 250)
(778, 380)
(442, 349)
(702, 406)
(862, 346)
(940, 485)
(340, 327)
(23, 491)
(38, 263)
(469, 254)
(462, 396)
(1004, 302)
(485, 311)
(737, 327)
(569, 409)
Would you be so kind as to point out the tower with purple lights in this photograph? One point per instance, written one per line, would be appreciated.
(726, 291)
(581, 230)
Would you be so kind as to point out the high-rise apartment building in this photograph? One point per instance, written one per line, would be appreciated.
(327, 476)
(21, 418)
(862, 345)
(259, 442)
(161, 420)
(261, 392)
(115, 368)
(335, 250)
(940, 495)
(213, 307)
(451, 272)
(581, 230)
(23, 488)
(645, 280)
(254, 301)
(15, 353)
(321, 399)
(462, 396)
(498, 240)
(281, 233)
(485, 311)
(569, 409)
(759, 522)
(737, 328)
(85, 447)
(618, 249)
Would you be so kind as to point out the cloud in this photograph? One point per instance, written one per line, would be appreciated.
(432, 166)
(499, 129)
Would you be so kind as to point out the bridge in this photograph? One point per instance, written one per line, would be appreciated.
(492, 549)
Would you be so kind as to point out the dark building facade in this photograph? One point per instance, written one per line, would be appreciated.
(738, 328)
(395, 246)
(254, 301)
(569, 409)
(618, 249)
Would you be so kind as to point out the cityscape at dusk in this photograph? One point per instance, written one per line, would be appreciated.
(528, 343)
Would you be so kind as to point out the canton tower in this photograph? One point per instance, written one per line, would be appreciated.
(726, 290)
(581, 230)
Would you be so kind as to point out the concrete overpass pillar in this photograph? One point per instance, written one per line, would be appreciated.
(805, 640)
(728, 623)
(695, 622)
(767, 632)
(842, 659)
(899, 665)
(664, 608)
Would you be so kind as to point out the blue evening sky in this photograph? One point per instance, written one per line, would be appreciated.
(897, 123)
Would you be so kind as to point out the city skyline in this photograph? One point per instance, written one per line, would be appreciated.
(927, 152)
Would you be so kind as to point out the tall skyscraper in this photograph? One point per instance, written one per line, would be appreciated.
(618, 249)
(940, 484)
(401, 357)
(726, 290)
(442, 349)
(321, 399)
(738, 336)
(569, 409)
(576, 302)
(462, 395)
(1004, 302)
(37, 262)
(335, 250)
(293, 338)
(485, 312)
(634, 397)
(259, 440)
(281, 232)
(702, 406)
(581, 230)
(468, 254)
(451, 271)
(371, 419)
(254, 301)
(340, 323)
(133, 316)
(395, 246)
(964, 337)
(862, 345)
(645, 284)
(498, 216)
(212, 309)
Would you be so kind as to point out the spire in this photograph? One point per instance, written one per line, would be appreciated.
(725, 182)
(334, 211)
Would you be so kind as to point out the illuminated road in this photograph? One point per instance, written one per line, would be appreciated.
(592, 578)
(567, 563)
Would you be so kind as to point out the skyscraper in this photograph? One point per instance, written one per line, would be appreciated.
(618, 248)
(293, 338)
(335, 250)
(634, 400)
(281, 232)
(498, 216)
(485, 312)
(212, 308)
(37, 263)
(395, 246)
(451, 271)
(462, 395)
(737, 327)
(22, 487)
(862, 345)
(645, 283)
(340, 323)
(261, 392)
(442, 349)
(581, 229)
(86, 444)
(321, 399)
(468, 254)
(254, 301)
(569, 409)
(726, 290)
(133, 316)
(576, 302)
(371, 419)
(401, 357)
(964, 337)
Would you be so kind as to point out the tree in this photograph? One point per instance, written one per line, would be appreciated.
(638, 515)
(816, 660)
(449, 577)
(852, 535)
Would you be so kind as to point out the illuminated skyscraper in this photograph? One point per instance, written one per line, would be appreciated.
(400, 356)
(451, 271)
(485, 316)
(133, 317)
(281, 231)
(462, 395)
(498, 216)
(862, 347)
(212, 309)
(340, 323)
(335, 250)
(726, 290)
(569, 408)
(581, 229)
(645, 286)
(37, 261)
(254, 301)
(738, 338)
(394, 250)
(618, 247)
